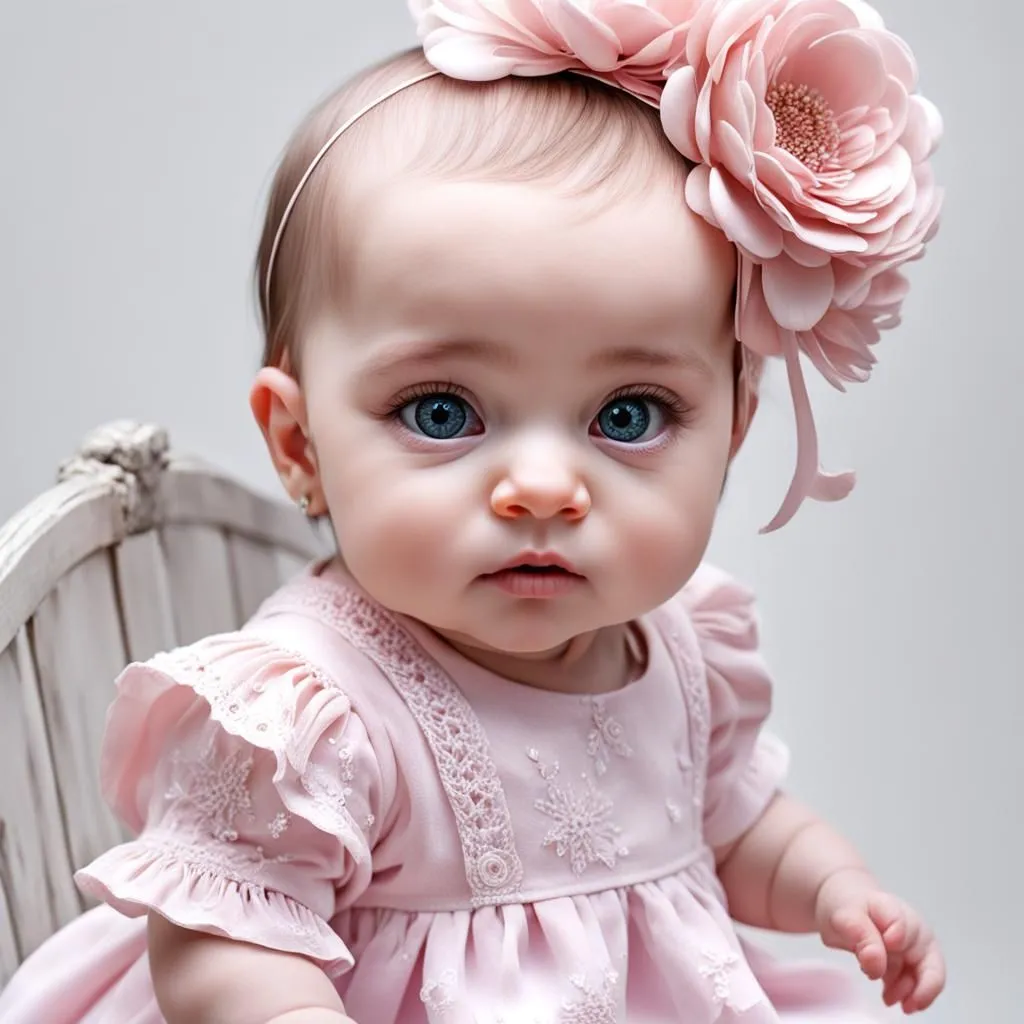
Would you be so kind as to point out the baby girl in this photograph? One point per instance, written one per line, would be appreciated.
(502, 758)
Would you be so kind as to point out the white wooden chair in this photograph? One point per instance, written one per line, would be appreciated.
(134, 551)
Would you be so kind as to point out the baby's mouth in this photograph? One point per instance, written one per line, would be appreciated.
(539, 570)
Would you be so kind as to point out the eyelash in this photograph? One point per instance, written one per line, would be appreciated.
(677, 412)
(401, 400)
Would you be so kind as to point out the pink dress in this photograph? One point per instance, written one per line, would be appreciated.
(450, 846)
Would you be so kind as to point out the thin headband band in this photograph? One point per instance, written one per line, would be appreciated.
(325, 149)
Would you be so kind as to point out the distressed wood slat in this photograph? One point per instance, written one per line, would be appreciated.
(49, 536)
(199, 570)
(9, 956)
(35, 865)
(79, 651)
(255, 573)
(194, 492)
(144, 590)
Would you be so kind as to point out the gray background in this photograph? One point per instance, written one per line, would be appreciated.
(138, 139)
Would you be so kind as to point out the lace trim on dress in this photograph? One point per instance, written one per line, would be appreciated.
(452, 731)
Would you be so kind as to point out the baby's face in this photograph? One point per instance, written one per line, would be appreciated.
(525, 378)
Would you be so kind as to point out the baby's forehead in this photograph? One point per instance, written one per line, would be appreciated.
(436, 249)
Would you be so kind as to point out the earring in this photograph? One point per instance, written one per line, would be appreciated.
(304, 504)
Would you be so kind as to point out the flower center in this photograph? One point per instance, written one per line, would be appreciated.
(805, 125)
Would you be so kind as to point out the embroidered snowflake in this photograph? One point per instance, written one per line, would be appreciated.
(279, 825)
(596, 1005)
(327, 786)
(347, 759)
(718, 969)
(607, 737)
(583, 829)
(215, 786)
(438, 996)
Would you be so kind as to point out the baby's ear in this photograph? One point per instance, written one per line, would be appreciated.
(279, 406)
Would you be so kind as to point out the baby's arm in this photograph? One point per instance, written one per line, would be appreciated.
(205, 979)
(792, 872)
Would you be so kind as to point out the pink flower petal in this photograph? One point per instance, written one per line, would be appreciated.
(593, 43)
(881, 181)
(729, 107)
(813, 349)
(848, 119)
(895, 109)
(846, 68)
(742, 219)
(702, 120)
(804, 254)
(802, 23)
(805, 216)
(775, 174)
(734, 19)
(748, 106)
(890, 288)
(899, 59)
(923, 130)
(798, 297)
(697, 193)
(524, 16)
(735, 154)
(635, 26)
(755, 326)
(679, 112)
(858, 147)
(470, 58)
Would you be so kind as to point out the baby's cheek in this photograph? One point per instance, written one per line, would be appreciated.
(393, 540)
(668, 540)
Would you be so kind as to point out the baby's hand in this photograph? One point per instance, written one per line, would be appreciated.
(889, 939)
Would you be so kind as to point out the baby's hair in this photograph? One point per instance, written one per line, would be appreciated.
(578, 134)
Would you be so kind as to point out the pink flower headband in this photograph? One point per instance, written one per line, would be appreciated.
(810, 152)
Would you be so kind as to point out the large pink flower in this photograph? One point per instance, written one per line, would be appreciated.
(631, 43)
(811, 152)
(801, 117)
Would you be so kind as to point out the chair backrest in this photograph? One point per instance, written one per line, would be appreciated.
(134, 551)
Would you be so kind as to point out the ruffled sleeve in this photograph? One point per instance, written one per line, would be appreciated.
(251, 787)
(746, 764)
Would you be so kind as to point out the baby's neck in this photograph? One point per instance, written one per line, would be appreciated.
(597, 662)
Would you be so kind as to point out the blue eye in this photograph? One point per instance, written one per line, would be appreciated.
(441, 417)
(628, 420)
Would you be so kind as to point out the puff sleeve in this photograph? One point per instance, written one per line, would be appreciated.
(746, 764)
(250, 785)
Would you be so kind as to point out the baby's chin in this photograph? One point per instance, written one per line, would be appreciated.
(539, 644)
(536, 641)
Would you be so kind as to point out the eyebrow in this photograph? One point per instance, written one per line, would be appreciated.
(656, 358)
(436, 351)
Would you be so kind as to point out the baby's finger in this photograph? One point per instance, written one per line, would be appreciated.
(894, 969)
(895, 936)
(853, 930)
(899, 990)
(931, 980)
(889, 916)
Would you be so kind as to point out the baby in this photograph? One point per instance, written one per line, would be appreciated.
(503, 757)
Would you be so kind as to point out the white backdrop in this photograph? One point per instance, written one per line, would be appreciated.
(138, 139)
